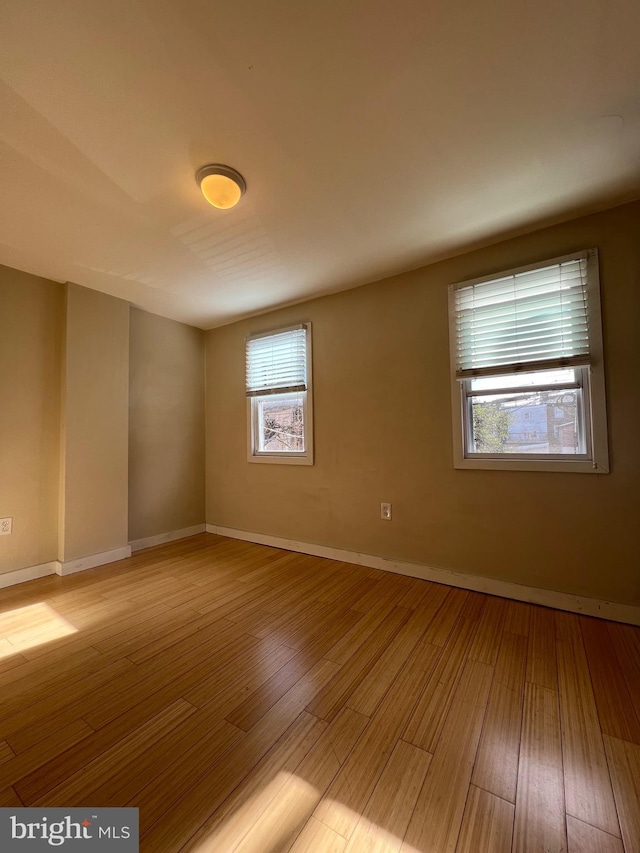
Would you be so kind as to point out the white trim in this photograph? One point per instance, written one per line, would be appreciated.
(93, 560)
(30, 573)
(492, 586)
(163, 538)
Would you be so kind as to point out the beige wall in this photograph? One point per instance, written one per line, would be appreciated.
(383, 433)
(67, 416)
(166, 427)
(30, 322)
(95, 424)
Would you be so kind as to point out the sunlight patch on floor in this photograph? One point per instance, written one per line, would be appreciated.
(30, 626)
(272, 818)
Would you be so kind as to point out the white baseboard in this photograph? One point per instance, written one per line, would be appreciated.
(492, 586)
(70, 567)
(162, 538)
(29, 574)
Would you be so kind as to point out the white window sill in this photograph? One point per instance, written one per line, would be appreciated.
(576, 466)
(281, 460)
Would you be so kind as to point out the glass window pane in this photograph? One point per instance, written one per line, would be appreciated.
(520, 380)
(281, 423)
(527, 422)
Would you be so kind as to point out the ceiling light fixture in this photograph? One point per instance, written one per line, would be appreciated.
(221, 185)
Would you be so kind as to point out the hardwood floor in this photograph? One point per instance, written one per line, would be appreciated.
(247, 698)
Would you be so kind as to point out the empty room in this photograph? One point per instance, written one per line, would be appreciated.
(319, 426)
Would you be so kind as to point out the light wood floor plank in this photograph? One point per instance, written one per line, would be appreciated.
(487, 825)
(387, 593)
(588, 793)
(425, 726)
(27, 683)
(165, 786)
(615, 707)
(584, 838)
(181, 681)
(347, 577)
(540, 814)
(435, 596)
(496, 767)
(349, 793)
(9, 799)
(437, 817)
(136, 630)
(12, 661)
(166, 684)
(386, 816)
(263, 780)
(6, 752)
(363, 628)
(375, 684)
(487, 638)
(626, 642)
(474, 606)
(279, 813)
(36, 756)
(624, 765)
(42, 719)
(230, 686)
(321, 626)
(261, 700)
(416, 593)
(542, 668)
(518, 618)
(197, 805)
(318, 838)
(196, 743)
(446, 617)
(329, 701)
(79, 787)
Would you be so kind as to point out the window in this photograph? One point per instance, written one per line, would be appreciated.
(526, 368)
(279, 402)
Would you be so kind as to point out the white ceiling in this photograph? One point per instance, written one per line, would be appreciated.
(374, 137)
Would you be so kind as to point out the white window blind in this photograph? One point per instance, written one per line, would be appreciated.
(531, 320)
(277, 363)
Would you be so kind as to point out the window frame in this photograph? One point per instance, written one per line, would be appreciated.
(283, 457)
(596, 460)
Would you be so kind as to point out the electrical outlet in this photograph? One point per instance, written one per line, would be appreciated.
(6, 526)
(385, 511)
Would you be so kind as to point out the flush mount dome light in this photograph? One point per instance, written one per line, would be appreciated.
(221, 185)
